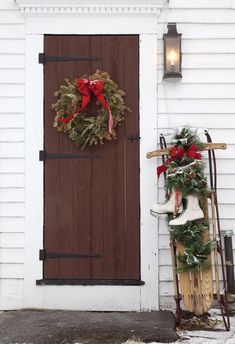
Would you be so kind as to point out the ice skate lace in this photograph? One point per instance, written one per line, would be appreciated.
(183, 212)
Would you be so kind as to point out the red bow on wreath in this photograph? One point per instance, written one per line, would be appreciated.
(85, 87)
(177, 152)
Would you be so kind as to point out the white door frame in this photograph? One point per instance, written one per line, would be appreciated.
(48, 19)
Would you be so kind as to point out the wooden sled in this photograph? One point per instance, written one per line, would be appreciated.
(198, 290)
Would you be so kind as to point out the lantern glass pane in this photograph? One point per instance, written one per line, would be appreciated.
(172, 55)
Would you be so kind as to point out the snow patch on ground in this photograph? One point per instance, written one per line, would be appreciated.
(217, 336)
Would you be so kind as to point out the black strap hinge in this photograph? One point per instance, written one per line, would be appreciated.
(43, 58)
(43, 255)
(43, 155)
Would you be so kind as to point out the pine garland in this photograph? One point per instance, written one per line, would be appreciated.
(188, 180)
(186, 174)
(195, 257)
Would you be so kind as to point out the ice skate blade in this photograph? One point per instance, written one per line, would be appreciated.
(161, 216)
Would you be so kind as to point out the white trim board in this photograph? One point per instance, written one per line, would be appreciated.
(99, 298)
(90, 6)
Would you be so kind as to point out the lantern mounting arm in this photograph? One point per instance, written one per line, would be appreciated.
(166, 151)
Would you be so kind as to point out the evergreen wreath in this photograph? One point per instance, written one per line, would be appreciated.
(81, 127)
(185, 172)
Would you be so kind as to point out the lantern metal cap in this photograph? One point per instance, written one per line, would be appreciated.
(172, 30)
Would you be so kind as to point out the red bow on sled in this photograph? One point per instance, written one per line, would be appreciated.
(85, 87)
(177, 152)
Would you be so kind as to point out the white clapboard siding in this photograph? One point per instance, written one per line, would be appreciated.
(11, 293)
(209, 120)
(11, 149)
(198, 16)
(12, 224)
(12, 46)
(218, 135)
(12, 31)
(11, 208)
(10, 120)
(12, 60)
(194, 91)
(12, 165)
(11, 180)
(11, 270)
(11, 255)
(219, 108)
(11, 17)
(12, 240)
(12, 105)
(12, 195)
(11, 90)
(208, 46)
(166, 288)
(12, 135)
(165, 257)
(12, 76)
(202, 4)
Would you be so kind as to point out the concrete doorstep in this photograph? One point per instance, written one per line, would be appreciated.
(72, 327)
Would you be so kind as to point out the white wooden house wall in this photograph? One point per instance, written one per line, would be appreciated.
(12, 76)
(205, 97)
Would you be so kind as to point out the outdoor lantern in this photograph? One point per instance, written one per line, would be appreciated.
(172, 52)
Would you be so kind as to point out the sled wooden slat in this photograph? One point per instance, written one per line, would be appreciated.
(207, 276)
(197, 288)
(197, 294)
(185, 282)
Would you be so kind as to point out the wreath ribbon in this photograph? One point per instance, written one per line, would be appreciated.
(86, 87)
(177, 152)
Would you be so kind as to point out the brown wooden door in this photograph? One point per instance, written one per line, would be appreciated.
(92, 205)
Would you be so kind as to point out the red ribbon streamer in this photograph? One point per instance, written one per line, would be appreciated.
(85, 87)
(177, 152)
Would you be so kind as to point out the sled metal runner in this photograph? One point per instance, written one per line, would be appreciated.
(197, 289)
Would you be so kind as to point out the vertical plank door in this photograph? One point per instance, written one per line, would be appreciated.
(92, 205)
